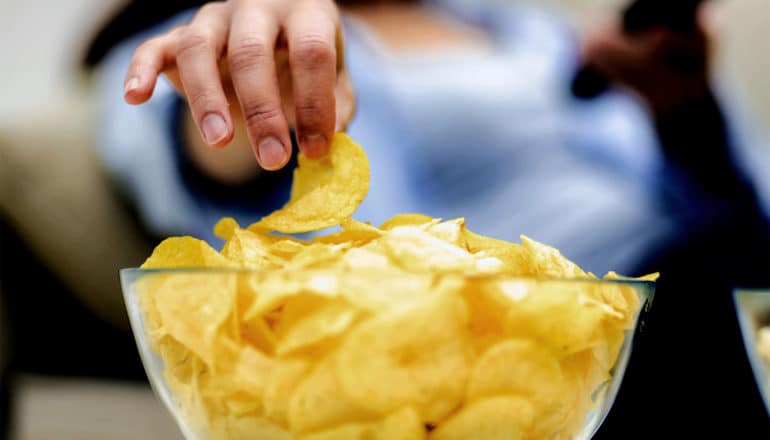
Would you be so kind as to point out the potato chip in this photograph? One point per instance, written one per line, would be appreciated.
(549, 262)
(401, 425)
(274, 288)
(250, 251)
(452, 232)
(185, 252)
(542, 309)
(324, 191)
(305, 325)
(404, 424)
(318, 404)
(523, 368)
(225, 228)
(280, 385)
(193, 310)
(495, 418)
(417, 355)
(488, 309)
(514, 257)
(413, 249)
(406, 220)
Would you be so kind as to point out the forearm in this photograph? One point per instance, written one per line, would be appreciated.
(696, 141)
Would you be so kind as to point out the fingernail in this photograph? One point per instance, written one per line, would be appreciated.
(214, 128)
(314, 145)
(131, 84)
(271, 153)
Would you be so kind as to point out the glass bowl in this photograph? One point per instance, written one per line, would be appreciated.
(753, 308)
(604, 361)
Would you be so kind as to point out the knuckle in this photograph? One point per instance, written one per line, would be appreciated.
(209, 8)
(309, 110)
(193, 41)
(247, 53)
(258, 114)
(203, 99)
(147, 47)
(313, 51)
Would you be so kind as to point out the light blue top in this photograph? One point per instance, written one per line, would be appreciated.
(491, 135)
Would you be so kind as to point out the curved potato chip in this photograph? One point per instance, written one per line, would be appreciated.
(250, 251)
(523, 368)
(406, 220)
(225, 227)
(413, 249)
(186, 252)
(193, 309)
(514, 257)
(547, 261)
(309, 321)
(451, 231)
(541, 310)
(401, 425)
(280, 385)
(414, 356)
(324, 191)
(495, 418)
(318, 404)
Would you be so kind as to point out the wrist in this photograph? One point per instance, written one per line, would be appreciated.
(675, 102)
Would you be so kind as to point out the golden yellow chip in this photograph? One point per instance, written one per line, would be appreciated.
(309, 321)
(280, 385)
(404, 424)
(318, 404)
(186, 252)
(250, 251)
(406, 220)
(513, 256)
(541, 309)
(414, 249)
(324, 191)
(523, 368)
(401, 425)
(194, 308)
(416, 356)
(495, 418)
(549, 262)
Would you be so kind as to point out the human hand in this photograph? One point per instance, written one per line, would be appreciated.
(668, 69)
(280, 61)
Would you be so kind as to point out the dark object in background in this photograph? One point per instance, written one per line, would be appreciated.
(136, 16)
(5, 373)
(52, 331)
(676, 15)
(46, 330)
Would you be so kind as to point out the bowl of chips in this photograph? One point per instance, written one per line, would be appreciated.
(399, 334)
(416, 328)
(753, 307)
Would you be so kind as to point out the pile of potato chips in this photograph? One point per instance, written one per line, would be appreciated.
(418, 328)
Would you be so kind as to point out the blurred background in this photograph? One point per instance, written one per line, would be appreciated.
(43, 99)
